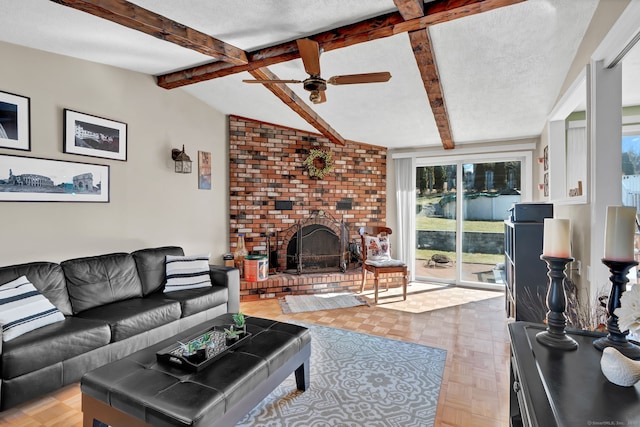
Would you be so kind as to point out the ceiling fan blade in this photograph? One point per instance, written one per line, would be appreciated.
(272, 81)
(350, 79)
(310, 55)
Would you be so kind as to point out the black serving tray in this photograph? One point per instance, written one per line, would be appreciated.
(172, 355)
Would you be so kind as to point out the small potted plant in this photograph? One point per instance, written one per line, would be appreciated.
(232, 335)
(195, 350)
(239, 322)
(236, 329)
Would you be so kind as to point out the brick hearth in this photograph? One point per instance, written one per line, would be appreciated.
(282, 284)
(266, 166)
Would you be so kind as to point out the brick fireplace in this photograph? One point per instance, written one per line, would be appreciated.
(271, 192)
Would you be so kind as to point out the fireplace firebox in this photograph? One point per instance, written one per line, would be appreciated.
(318, 244)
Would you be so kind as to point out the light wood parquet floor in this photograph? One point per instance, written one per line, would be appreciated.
(470, 324)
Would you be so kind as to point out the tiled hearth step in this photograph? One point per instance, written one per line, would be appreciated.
(281, 284)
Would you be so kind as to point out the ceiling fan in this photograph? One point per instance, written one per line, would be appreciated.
(310, 55)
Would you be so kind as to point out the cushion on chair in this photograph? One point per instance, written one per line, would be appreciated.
(23, 309)
(378, 248)
(385, 263)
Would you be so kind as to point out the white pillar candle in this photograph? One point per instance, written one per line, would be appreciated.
(620, 232)
(557, 239)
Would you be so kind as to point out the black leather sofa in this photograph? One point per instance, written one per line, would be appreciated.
(113, 305)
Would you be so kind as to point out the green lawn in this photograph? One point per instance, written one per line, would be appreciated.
(426, 223)
(490, 259)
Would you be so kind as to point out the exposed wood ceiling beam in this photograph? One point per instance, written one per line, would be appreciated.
(132, 16)
(425, 58)
(294, 102)
(422, 49)
(436, 12)
(410, 9)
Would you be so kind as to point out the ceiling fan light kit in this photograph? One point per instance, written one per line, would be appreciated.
(316, 85)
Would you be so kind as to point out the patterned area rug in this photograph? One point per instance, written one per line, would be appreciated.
(357, 380)
(300, 303)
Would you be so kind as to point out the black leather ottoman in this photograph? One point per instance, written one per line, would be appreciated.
(139, 391)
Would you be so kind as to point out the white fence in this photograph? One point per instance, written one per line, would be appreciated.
(631, 191)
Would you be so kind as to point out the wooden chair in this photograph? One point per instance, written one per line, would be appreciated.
(380, 267)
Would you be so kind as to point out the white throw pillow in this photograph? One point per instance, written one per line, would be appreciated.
(378, 248)
(23, 308)
(187, 272)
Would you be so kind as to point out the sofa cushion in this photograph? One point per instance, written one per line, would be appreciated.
(193, 301)
(187, 272)
(151, 266)
(52, 344)
(99, 280)
(47, 277)
(23, 309)
(133, 316)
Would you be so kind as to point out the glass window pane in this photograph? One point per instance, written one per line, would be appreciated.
(436, 222)
(490, 190)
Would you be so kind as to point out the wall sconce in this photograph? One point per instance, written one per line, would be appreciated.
(183, 161)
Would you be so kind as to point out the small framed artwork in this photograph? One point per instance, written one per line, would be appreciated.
(546, 157)
(15, 127)
(546, 184)
(204, 170)
(93, 136)
(31, 179)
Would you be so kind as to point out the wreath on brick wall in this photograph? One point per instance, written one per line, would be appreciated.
(319, 163)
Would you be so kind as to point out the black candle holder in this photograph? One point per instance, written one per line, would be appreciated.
(616, 338)
(555, 335)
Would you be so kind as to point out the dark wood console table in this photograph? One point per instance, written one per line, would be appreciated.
(565, 388)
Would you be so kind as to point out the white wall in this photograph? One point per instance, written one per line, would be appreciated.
(150, 205)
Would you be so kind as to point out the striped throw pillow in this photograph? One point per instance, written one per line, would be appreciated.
(187, 272)
(23, 308)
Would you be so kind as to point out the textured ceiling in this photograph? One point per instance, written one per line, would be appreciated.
(501, 71)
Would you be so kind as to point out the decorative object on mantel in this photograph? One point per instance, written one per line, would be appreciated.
(619, 258)
(183, 161)
(319, 162)
(618, 368)
(556, 253)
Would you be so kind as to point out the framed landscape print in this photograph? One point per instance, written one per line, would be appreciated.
(15, 127)
(204, 170)
(93, 136)
(30, 179)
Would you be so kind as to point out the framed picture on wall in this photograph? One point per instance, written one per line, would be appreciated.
(204, 170)
(94, 136)
(31, 179)
(15, 127)
(546, 157)
(546, 184)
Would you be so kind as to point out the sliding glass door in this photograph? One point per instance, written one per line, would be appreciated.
(490, 189)
(460, 211)
(436, 210)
